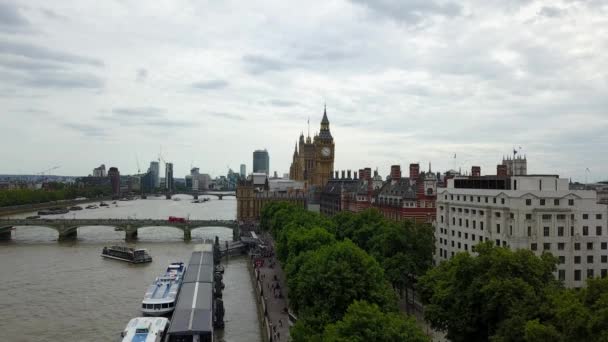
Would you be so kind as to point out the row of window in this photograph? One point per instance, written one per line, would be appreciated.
(562, 245)
(470, 198)
(561, 274)
(545, 217)
(157, 306)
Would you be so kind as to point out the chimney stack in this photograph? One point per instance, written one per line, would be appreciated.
(475, 171)
(348, 173)
(501, 170)
(368, 173)
(414, 171)
(337, 175)
(355, 175)
(343, 174)
(396, 172)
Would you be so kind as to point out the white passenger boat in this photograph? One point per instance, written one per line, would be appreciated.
(145, 329)
(160, 297)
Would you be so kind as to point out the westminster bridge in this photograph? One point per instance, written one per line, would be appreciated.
(68, 228)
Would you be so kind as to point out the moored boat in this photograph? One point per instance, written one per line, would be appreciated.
(32, 217)
(53, 211)
(161, 295)
(145, 329)
(91, 206)
(76, 207)
(104, 204)
(135, 256)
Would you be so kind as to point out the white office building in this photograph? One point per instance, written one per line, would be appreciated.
(539, 213)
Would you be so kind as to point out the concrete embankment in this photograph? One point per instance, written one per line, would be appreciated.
(24, 208)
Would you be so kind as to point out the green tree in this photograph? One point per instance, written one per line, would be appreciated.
(491, 295)
(334, 276)
(366, 322)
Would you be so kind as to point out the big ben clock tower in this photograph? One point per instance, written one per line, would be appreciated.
(324, 153)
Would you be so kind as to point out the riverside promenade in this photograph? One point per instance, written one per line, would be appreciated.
(271, 288)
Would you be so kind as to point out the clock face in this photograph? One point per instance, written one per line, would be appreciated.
(326, 151)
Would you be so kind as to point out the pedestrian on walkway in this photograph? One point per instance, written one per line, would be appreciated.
(280, 323)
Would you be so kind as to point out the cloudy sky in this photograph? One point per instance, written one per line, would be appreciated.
(207, 82)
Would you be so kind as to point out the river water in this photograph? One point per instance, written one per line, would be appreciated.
(51, 291)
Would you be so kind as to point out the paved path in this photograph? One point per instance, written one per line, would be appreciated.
(270, 277)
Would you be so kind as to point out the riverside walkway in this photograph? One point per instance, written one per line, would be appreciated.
(276, 300)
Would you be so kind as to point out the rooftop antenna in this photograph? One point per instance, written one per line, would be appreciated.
(308, 123)
(587, 171)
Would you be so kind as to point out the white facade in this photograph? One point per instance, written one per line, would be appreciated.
(539, 214)
(100, 171)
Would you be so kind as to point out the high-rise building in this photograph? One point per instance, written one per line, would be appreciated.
(261, 161)
(147, 182)
(99, 171)
(169, 182)
(535, 212)
(313, 159)
(155, 169)
(114, 176)
(243, 170)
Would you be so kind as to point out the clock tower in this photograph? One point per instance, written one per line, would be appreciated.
(324, 153)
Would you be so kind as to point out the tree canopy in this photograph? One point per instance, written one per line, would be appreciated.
(365, 322)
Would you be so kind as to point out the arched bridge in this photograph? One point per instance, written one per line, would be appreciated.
(68, 228)
(219, 194)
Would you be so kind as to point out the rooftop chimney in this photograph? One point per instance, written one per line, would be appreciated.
(337, 175)
(348, 173)
(414, 171)
(396, 172)
(475, 171)
(355, 175)
(367, 172)
(501, 170)
(343, 174)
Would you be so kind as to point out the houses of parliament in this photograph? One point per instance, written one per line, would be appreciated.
(313, 158)
(312, 166)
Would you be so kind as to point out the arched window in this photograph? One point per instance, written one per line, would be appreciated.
(429, 191)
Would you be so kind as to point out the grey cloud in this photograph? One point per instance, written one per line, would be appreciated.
(258, 64)
(52, 14)
(167, 123)
(43, 53)
(144, 116)
(551, 12)
(86, 129)
(209, 85)
(11, 19)
(413, 11)
(138, 112)
(62, 80)
(141, 75)
(227, 116)
(283, 103)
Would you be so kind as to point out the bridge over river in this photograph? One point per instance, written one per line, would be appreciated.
(68, 228)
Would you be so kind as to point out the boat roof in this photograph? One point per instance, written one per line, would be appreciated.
(193, 312)
(154, 325)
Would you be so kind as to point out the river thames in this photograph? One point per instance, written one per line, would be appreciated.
(53, 291)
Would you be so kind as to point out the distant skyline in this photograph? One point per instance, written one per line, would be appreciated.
(111, 82)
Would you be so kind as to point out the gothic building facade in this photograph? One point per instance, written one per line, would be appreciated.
(313, 158)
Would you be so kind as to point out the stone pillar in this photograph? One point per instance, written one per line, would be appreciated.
(68, 234)
(187, 234)
(130, 234)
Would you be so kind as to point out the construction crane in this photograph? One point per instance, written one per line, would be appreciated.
(41, 173)
(137, 161)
